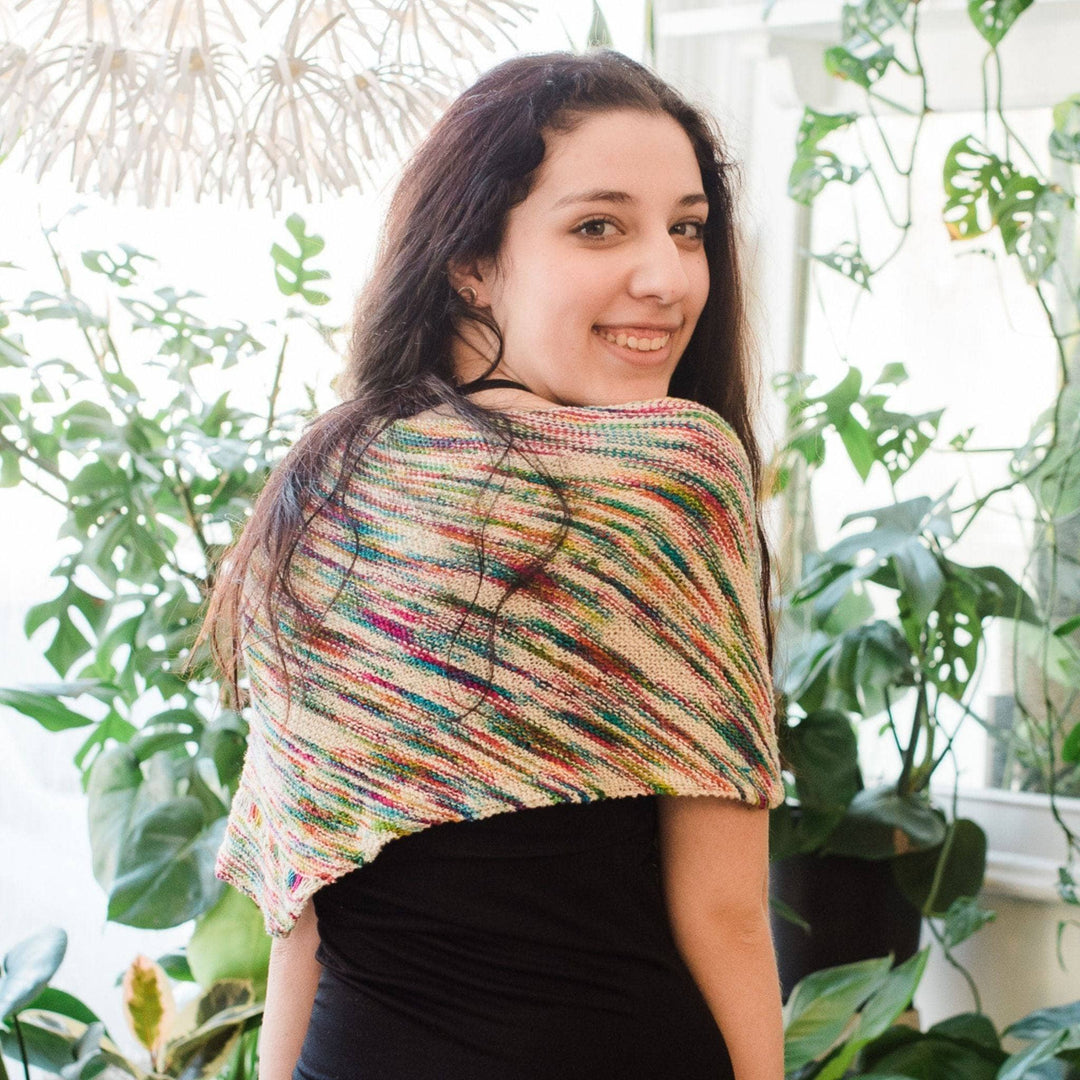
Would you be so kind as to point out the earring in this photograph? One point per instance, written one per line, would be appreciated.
(471, 299)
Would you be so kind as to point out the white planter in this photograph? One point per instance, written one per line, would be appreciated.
(1013, 960)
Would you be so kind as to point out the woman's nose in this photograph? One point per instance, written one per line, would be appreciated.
(659, 269)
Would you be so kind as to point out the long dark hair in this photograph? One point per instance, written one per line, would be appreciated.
(451, 206)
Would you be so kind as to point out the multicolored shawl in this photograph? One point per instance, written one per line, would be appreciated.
(632, 664)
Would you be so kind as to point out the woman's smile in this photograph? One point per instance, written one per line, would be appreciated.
(637, 344)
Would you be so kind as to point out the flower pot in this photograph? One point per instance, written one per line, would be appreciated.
(855, 909)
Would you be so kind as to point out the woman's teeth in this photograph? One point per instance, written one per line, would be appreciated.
(642, 344)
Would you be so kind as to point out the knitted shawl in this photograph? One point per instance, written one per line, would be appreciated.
(633, 663)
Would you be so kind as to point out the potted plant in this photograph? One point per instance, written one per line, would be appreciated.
(863, 864)
(886, 627)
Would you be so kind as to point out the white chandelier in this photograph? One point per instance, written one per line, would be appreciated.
(216, 97)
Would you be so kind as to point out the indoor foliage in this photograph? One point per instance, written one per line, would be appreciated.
(851, 665)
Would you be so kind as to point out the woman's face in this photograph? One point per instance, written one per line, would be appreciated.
(602, 273)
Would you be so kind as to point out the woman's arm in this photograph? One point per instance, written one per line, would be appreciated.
(715, 866)
(290, 994)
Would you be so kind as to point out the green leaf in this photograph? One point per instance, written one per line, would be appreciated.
(821, 1005)
(165, 873)
(848, 260)
(864, 22)
(814, 167)
(1070, 752)
(972, 175)
(963, 919)
(112, 798)
(1030, 216)
(823, 753)
(230, 942)
(959, 864)
(992, 18)
(1021, 1065)
(28, 967)
(974, 1028)
(929, 1056)
(1065, 138)
(1043, 1022)
(863, 71)
(120, 271)
(291, 272)
(879, 1012)
(880, 824)
(50, 713)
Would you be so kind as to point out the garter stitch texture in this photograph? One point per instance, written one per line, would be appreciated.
(633, 664)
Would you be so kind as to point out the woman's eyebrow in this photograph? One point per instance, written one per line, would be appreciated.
(605, 195)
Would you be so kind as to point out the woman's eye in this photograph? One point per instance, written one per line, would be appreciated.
(594, 227)
(694, 230)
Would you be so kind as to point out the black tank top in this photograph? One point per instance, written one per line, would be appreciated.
(530, 945)
(487, 384)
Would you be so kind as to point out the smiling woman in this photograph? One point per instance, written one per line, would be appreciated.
(598, 291)
(504, 619)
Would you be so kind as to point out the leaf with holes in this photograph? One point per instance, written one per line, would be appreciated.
(814, 167)
(848, 260)
(954, 632)
(863, 71)
(1030, 216)
(973, 175)
(296, 274)
(865, 21)
(992, 18)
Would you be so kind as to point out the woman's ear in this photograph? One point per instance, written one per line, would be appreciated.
(477, 276)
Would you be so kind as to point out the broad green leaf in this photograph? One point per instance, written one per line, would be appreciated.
(50, 713)
(165, 873)
(112, 792)
(880, 824)
(230, 942)
(958, 864)
(119, 270)
(205, 1050)
(863, 22)
(1030, 216)
(1043, 1022)
(879, 1012)
(822, 1004)
(974, 1028)
(928, 1056)
(1021, 1065)
(1070, 751)
(28, 967)
(64, 1004)
(822, 752)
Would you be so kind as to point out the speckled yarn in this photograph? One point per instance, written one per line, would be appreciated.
(633, 664)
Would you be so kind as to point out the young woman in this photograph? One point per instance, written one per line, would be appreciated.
(515, 577)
